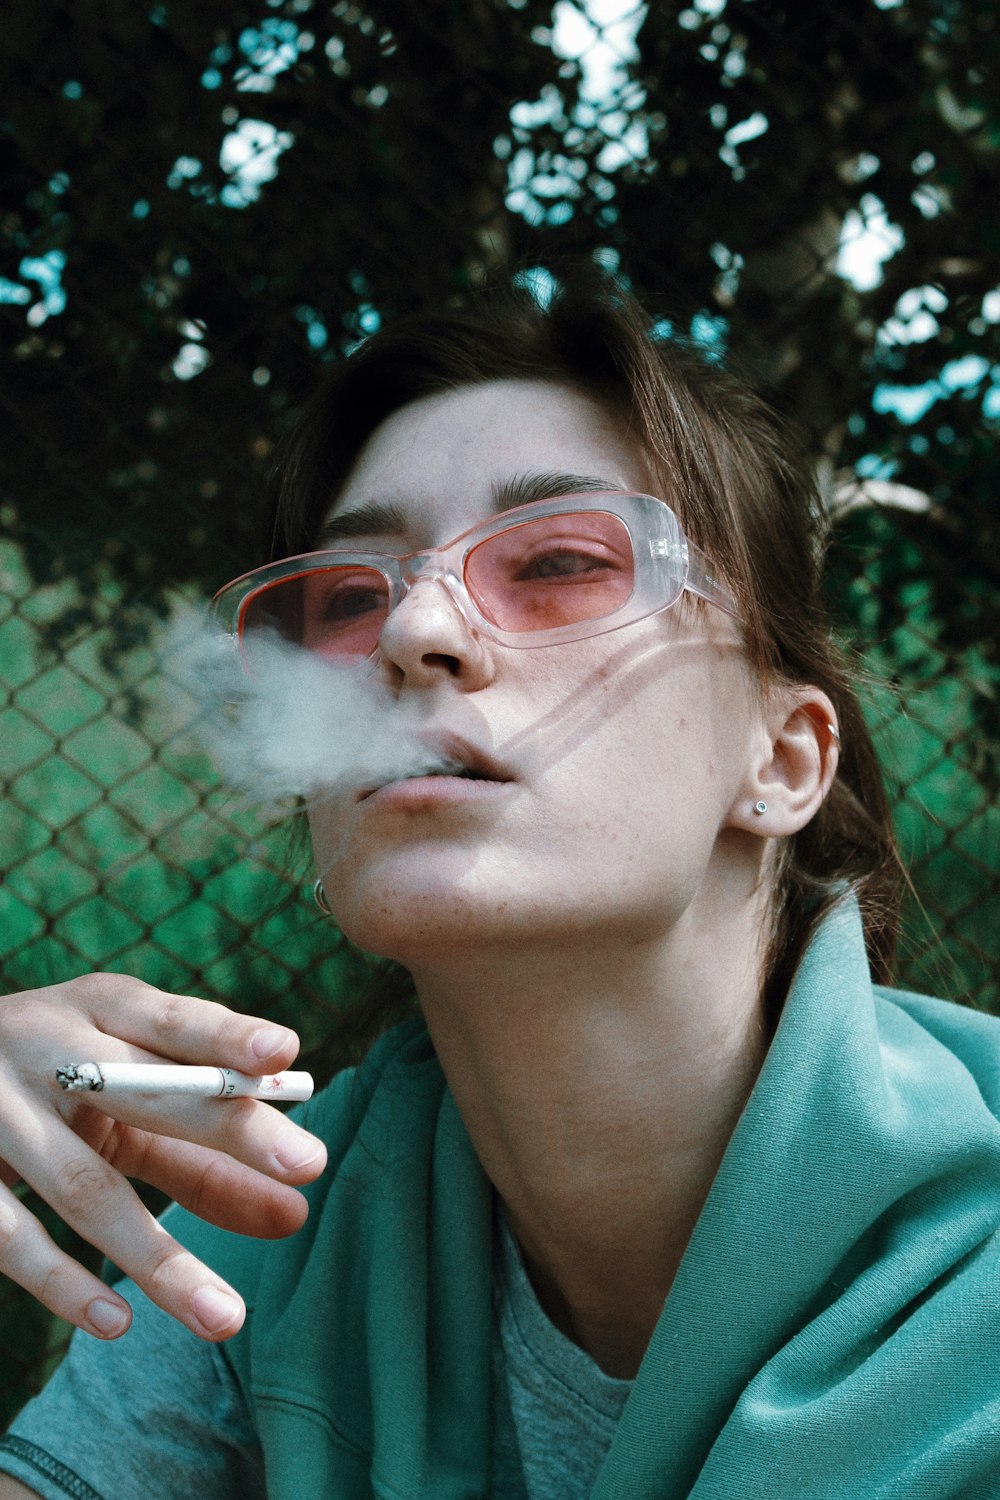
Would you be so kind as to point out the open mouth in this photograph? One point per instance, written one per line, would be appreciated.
(458, 762)
(461, 773)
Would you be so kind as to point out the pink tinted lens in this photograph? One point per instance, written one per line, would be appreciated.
(337, 612)
(556, 571)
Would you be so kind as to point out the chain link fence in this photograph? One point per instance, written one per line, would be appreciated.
(203, 203)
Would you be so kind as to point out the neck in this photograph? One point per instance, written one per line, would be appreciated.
(600, 1088)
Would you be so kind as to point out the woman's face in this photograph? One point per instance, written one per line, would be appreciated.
(608, 768)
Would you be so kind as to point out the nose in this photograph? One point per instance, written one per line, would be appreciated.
(427, 637)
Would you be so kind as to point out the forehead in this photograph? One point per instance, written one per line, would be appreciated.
(454, 456)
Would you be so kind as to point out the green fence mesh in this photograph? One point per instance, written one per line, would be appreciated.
(203, 203)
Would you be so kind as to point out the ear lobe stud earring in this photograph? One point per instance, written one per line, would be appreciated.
(760, 808)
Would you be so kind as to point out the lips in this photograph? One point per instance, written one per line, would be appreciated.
(451, 757)
(470, 760)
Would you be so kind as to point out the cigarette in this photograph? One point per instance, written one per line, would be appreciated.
(123, 1079)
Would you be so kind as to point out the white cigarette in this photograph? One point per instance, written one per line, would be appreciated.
(173, 1078)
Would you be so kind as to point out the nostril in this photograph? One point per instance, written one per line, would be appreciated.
(441, 661)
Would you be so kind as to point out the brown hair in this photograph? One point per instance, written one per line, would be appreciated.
(744, 492)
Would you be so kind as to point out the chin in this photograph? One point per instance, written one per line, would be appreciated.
(410, 938)
(392, 916)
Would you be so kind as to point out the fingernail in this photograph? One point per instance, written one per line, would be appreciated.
(295, 1150)
(267, 1041)
(215, 1309)
(107, 1319)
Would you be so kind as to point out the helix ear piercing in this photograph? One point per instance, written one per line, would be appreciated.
(760, 808)
(319, 896)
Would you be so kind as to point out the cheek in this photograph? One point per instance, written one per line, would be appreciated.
(671, 745)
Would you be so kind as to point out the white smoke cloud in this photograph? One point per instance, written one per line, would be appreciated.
(299, 727)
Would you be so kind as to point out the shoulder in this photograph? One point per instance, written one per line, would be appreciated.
(893, 1097)
(955, 1049)
(904, 1061)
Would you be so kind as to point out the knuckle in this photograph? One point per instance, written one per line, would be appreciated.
(238, 1122)
(95, 982)
(161, 1269)
(54, 1287)
(79, 1183)
(205, 1187)
(168, 1017)
(173, 1015)
(100, 987)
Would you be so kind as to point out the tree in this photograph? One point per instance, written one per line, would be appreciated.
(200, 204)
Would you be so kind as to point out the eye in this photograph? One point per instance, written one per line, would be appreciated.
(349, 601)
(334, 598)
(563, 562)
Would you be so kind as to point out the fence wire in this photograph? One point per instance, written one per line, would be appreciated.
(202, 204)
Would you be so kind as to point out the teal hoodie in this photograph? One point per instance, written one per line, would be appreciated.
(833, 1332)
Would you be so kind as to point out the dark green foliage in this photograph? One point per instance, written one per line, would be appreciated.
(164, 308)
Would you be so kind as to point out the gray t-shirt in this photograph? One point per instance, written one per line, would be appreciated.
(158, 1413)
(556, 1409)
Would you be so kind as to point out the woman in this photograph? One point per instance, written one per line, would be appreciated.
(659, 1197)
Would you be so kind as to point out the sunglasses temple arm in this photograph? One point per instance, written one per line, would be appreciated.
(701, 581)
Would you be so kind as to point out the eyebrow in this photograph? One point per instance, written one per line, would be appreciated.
(390, 518)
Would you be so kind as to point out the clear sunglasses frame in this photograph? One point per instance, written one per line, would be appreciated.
(665, 562)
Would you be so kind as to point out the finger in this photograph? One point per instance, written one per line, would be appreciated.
(183, 1027)
(95, 1200)
(30, 1257)
(247, 1130)
(214, 1187)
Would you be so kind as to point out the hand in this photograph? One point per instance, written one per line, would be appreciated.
(235, 1163)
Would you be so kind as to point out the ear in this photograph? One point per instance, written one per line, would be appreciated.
(794, 765)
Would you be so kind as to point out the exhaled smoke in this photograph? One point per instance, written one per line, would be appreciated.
(297, 725)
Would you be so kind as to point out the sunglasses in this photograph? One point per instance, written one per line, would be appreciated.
(538, 575)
